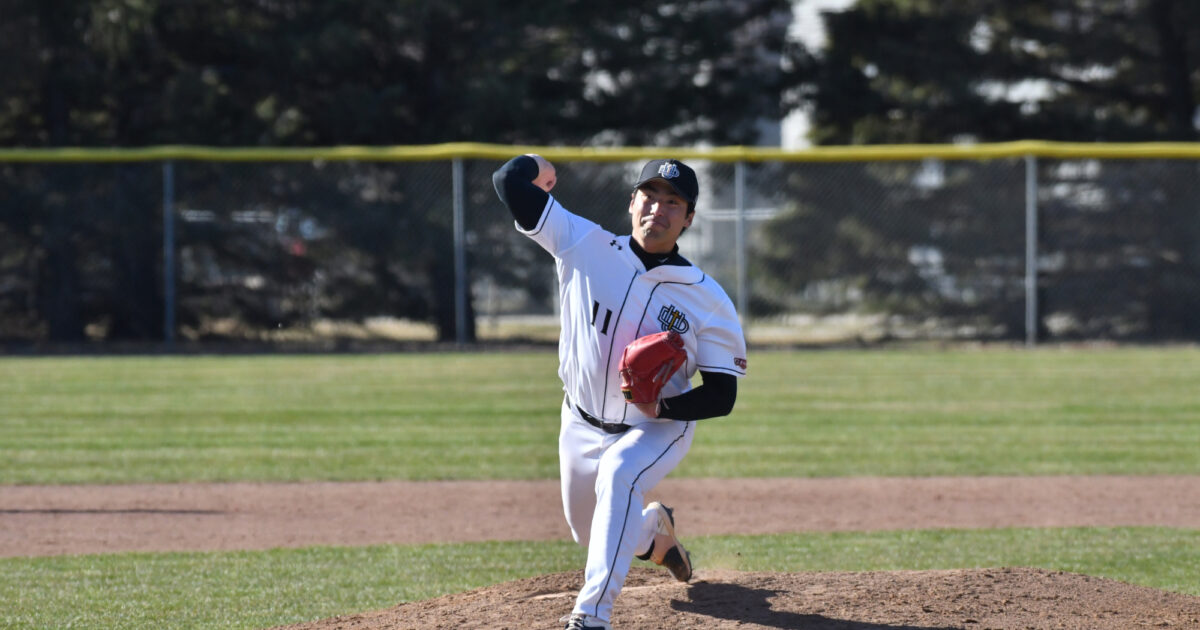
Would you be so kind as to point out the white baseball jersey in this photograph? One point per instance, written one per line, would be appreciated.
(609, 299)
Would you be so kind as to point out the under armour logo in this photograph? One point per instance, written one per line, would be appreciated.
(613, 243)
(668, 170)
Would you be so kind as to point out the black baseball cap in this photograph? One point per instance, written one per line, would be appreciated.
(680, 176)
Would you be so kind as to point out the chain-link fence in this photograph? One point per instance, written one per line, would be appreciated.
(928, 243)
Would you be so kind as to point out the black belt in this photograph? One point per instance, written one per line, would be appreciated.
(608, 427)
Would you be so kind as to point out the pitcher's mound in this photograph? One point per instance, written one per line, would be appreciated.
(976, 599)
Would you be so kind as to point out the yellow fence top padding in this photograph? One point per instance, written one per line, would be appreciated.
(474, 150)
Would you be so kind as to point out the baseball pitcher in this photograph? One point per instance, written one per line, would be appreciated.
(638, 321)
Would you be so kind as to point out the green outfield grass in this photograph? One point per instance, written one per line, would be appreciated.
(261, 589)
(495, 415)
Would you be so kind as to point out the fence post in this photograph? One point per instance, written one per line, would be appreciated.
(168, 236)
(1031, 246)
(460, 254)
(739, 193)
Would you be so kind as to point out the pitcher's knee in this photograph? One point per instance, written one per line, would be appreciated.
(618, 478)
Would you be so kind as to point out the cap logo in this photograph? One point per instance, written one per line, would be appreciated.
(668, 170)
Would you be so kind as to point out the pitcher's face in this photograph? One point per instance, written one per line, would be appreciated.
(658, 215)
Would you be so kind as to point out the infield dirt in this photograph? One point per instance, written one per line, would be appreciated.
(1002, 599)
(50, 520)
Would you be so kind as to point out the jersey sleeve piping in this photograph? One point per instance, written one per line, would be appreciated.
(722, 369)
(541, 221)
(650, 297)
(718, 368)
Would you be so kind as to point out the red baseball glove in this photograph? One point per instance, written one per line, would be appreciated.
(648, 363)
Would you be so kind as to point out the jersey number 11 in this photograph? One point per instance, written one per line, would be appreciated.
(607, 317)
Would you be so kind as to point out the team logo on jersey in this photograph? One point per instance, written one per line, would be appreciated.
(672, 318)
(668, 170)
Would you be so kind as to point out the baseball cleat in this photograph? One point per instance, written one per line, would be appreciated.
(585, 622)
(666, 549)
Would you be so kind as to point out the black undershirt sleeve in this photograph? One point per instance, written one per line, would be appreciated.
(514, 185)
(714, 397)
